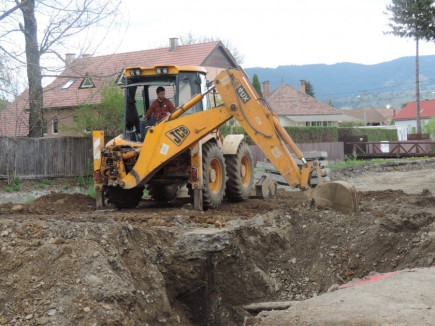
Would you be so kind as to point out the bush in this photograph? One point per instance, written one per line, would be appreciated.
(373, 134)
(313, 134)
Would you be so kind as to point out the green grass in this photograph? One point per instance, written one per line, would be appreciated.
(47, 182)
(29, 200)
(91, 192)
(354, 162)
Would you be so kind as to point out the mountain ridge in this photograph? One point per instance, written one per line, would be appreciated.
(357, 85)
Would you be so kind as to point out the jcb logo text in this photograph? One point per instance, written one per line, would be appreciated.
(178, 135)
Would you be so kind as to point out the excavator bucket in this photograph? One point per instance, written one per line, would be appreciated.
(338, 195)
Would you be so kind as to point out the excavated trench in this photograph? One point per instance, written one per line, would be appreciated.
(288, 256)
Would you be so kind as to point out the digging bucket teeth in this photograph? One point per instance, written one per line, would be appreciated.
(338, 195)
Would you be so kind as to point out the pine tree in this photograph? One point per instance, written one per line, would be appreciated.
(256, 84)
(309, 90)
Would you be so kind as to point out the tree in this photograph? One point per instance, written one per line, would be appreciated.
(331, 103)
(191, 39)
(309, 88)
(413, 19)
(57, 22)
(256, 84)
(429, 127)
(106, 116)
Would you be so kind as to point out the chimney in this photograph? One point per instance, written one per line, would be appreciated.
(266, 89)
(69, 57)
(173, 43)
(303, 89)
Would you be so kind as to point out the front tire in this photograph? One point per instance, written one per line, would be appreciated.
(161, 192)
(240, 174)
(214, 175)
(124, 198)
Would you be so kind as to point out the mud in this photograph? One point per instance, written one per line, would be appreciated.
(63, 263)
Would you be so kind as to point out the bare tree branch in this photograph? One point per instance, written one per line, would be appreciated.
(55, 23)
(13, 9)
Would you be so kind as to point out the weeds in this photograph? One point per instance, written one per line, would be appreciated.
(91, 191)
(28, 200)
(85, 182)
(44, 183)
(15, 187)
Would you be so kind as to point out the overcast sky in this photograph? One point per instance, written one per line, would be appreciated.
(269, 33)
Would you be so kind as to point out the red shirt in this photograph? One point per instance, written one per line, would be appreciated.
(160, 109)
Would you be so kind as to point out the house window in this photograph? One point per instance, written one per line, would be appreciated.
(68, 84)
(55, 126)
(87, 82)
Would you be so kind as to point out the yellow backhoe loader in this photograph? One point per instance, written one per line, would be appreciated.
(185, 148)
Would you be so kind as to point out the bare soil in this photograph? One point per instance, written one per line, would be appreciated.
(63, 263)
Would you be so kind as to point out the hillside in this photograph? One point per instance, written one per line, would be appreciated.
(357, 85)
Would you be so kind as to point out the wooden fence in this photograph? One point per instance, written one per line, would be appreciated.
(37, 158)
(416, 148)
(34, 158)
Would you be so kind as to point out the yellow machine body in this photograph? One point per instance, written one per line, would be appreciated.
(178, 133)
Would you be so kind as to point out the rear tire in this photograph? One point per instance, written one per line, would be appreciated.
(214, 174)
(240, 174)
(124, 198)
(161, 192)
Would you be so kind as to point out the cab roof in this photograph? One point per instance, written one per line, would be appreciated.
(161, 70)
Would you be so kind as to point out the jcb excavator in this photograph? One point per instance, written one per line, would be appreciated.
(186, 148)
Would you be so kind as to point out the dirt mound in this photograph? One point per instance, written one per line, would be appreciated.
(54, 203)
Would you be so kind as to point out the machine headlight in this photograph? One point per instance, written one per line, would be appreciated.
(135, 72)
(162, 70)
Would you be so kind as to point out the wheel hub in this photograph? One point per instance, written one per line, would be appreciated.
(212, 175)
(243, 171)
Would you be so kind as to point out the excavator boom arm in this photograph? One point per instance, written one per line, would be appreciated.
(261, 124)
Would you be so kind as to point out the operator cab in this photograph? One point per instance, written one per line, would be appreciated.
(140, 83)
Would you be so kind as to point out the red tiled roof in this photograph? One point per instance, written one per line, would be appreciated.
(409, 112)
(286, 100)
(109, 67)
(14, 120)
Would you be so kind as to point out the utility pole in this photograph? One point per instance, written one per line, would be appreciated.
(417, 88)
(364, 99)
(364, 108)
